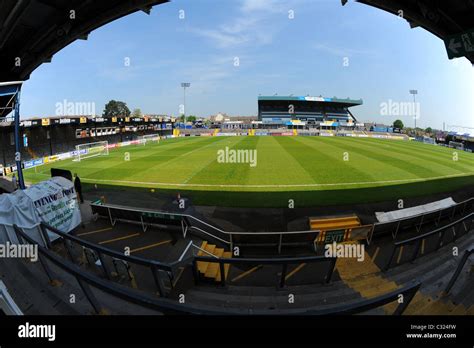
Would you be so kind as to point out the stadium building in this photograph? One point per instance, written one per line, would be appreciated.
(402, 212)
(314, 112)
(50, 136)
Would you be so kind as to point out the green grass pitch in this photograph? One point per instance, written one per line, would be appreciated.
(315, 170)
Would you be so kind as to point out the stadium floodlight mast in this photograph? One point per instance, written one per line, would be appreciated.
(185, 85)
(414, 92)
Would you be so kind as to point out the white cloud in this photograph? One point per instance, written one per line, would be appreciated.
(341, 51)
(263, 5)
(221, 38)
(134, 71)
(209, 75)
(256, 22)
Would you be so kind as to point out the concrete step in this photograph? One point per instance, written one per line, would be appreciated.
(425, 264)
(459, 310)
(270, 297)
(213, 268)
(243, 290)
(466, 297)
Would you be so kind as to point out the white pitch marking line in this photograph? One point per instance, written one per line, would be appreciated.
(276, 186)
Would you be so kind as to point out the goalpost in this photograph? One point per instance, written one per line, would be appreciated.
(456, 145)
(84, 151)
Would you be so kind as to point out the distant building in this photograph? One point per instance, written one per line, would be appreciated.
(300, 111)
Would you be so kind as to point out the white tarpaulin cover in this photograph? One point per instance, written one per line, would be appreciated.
(17, 208)
(53, 201)
(413, 211)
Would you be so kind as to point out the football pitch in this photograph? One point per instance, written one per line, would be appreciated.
(345, 169)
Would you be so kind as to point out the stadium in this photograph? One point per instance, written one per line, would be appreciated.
(303, 209)
(186, 160)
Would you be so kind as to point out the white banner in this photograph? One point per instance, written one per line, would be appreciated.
(55, 201)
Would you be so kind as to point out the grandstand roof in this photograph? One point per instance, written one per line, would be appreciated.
(346, 102)
(34, 30)
(440, 17)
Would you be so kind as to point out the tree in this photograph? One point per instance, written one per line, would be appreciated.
(398, 124)
(137, 113)
(190, 118)
(429, 130)
(115, 108)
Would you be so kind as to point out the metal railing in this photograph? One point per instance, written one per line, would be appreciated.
(167, 306)
(461, 264)
(7, 304)
(441, 233)
(189, 222)
(158, 269)
(85, 279)
(284, 262)
(153, 266)
(204, 251)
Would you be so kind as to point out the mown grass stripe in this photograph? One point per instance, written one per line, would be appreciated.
(428, 156)
(370, 166)
(226, 172)
(324, 169)
(272, 157)
(393, 159)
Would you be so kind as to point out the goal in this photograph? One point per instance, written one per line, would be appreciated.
(84, 151)
(456, 145)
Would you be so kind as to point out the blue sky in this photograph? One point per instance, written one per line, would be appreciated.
(300, 56)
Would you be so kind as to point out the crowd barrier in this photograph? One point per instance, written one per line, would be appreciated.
(187, 223)
(95, 255)
(249, 262)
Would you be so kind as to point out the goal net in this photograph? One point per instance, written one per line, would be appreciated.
(84, 151)
(456, 145)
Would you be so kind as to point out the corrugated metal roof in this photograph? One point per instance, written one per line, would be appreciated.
(32, 31)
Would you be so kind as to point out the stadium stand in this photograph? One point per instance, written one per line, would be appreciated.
(197, 300)
(355, 284)
(361, 288)
(53, 136)
(276, 111)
